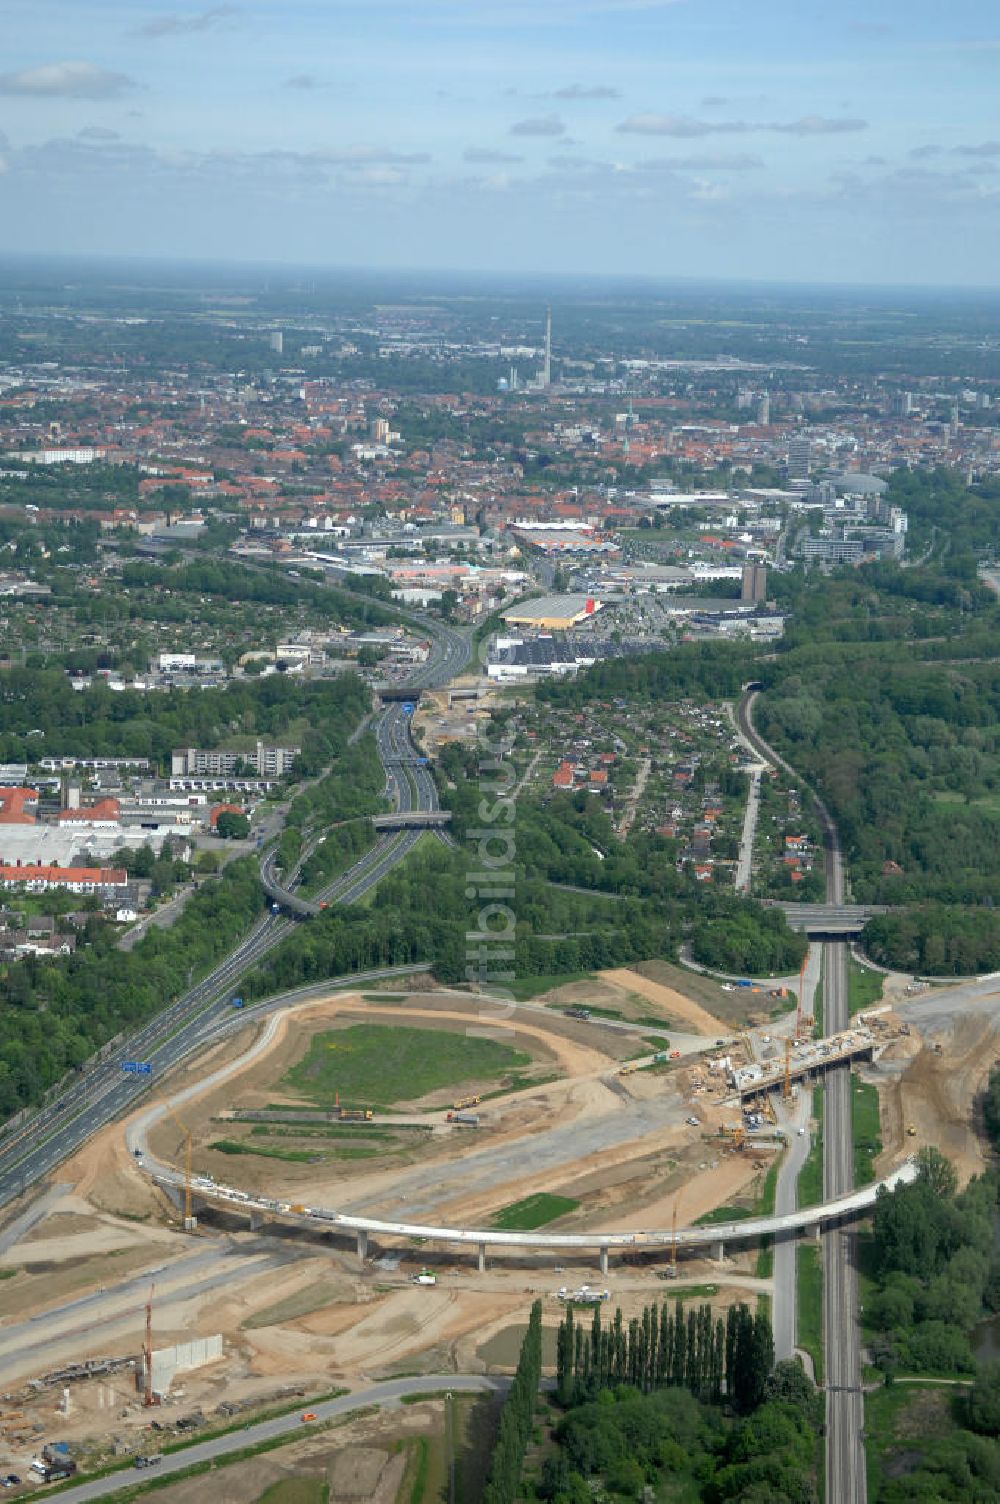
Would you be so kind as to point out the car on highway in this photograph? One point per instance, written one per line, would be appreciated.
(308, 1415)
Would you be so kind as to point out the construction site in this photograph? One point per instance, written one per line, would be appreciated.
(133, 1315)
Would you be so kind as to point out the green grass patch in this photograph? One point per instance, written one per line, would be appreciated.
(415, 1483)
(695, 1292)
(899, 1420)
(765, 1208)
(297, 1491)
(811, 1174)
(989, 804)
(864, 986)
(291, 1156)
(768, 1191)
(524, 988)
(376, 1065)
(809, 1303)
(866, 1127)
(533, 1211)
(724, 1214)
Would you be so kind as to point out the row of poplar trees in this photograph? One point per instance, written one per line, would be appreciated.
(713, 1359)
(516, 1417)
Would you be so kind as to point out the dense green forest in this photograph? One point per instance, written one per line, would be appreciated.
(885, 695)
(681, 1404)
(937, 1270)
(42, 715)
(574, 911)
(56, 1012)
(887, 698)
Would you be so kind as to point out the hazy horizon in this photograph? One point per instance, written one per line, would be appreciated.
(786, 143)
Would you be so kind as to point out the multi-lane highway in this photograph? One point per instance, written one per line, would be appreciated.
(846, 1478)
(103, 1090)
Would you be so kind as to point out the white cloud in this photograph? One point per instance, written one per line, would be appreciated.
(174, 26)
(540, 125)
(97, 133)
(587, 91)
(818, 125)
(984, 149)
(685, 127)
(736, 162)
(72, 80)
(486, 156)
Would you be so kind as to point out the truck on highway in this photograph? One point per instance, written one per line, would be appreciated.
(467, 1119)
(465, 1102)
(583, 1013)
(236, 1002)
(425, 1277)
(355, 1114)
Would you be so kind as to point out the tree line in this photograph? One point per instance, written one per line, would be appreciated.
(516, 1417)
(686, 1349)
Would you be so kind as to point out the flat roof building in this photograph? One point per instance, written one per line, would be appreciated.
(552, 613)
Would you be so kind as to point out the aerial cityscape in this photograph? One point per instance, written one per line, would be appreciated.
(499, 767)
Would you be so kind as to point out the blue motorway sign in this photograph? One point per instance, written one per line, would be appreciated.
(137, 1067)
(407, 708)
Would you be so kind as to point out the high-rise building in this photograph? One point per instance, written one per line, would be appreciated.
(754, 583)
(277, 342)
(902, 404)
(547, 363)
(799, 457)
(764, 410)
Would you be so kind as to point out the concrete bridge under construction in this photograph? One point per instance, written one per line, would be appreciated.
(261, 1209)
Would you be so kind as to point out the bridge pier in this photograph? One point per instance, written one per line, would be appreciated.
(813, 1231)
(719, 1251)
(482, 1258)
(604, 1260)
(256, 1221)
(362, 1245)
(191, 1224)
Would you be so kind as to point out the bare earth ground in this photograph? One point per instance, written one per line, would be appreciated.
(296, 1311)
(934, 1092)
(674, 1005)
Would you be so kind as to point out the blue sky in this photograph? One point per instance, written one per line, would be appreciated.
(806, 140)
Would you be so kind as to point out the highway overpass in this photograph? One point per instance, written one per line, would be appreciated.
(412, 819)
(823, 920)
(260, 1209)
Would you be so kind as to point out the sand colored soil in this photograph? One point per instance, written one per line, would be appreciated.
(675, 1005)
(935, 1094)
(359, 1459)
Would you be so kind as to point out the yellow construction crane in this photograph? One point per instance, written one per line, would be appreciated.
(787, 1090)
(189, 1221)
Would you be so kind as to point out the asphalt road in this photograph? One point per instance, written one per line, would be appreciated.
(785, 1244)
(104, 1091)
(846, 1478)
(388, 1393)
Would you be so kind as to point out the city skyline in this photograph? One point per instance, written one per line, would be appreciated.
(663, 138)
